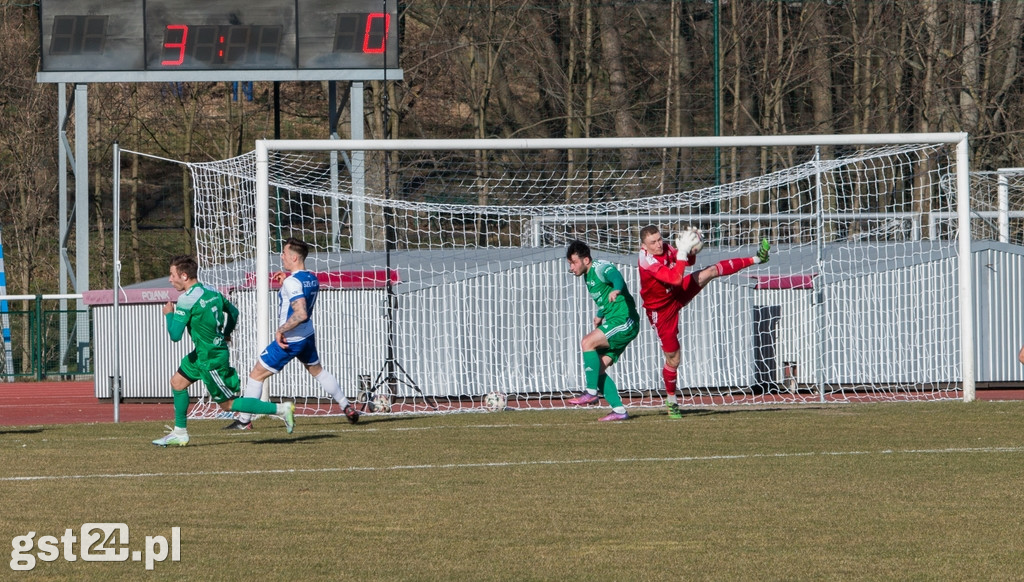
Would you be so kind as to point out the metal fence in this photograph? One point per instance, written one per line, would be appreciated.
(44, 338)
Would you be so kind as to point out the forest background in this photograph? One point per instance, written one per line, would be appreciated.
(521, 69)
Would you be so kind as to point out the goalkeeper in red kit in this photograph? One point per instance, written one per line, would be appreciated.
(665, 290)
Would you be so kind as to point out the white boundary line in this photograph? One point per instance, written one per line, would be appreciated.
(428, 467)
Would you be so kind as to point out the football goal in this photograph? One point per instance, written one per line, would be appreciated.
(444, 278)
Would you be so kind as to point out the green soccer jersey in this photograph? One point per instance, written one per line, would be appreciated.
(209, 317)
(602, 278)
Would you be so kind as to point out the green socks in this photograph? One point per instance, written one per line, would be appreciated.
(180, 408)
(610, 392)
(598, 382)
(253, 405)
(591, 369)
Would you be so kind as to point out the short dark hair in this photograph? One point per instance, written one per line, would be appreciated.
(578, 248)
(299, 246)
(186, 265)
(648, 231)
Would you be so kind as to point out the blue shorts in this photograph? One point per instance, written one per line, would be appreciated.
(274, 357)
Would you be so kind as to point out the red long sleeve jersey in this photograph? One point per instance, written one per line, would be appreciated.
(661, 277)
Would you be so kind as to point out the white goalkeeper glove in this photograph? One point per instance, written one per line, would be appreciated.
(689, 241)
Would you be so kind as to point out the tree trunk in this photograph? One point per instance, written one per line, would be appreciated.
(99, 264)
(820, 78)
(971, 64)
(618, 92)
(932, 107)
(133, 217)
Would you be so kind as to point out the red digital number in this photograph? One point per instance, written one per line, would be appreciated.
(374, 41)
(171, 45)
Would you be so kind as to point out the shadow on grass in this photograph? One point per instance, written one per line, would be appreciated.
(369, 421)
(695, 412)
(21, 431)
(287, 440)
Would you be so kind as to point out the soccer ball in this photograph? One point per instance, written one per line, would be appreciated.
(381, 403)
(700, 240)
(495, 401)
(689, 242)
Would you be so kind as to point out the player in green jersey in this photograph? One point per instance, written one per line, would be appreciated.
(615, 325)
(209, 318)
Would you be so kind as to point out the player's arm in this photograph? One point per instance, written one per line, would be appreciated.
(614, 278)
(686, 261)
(299, 314)
(177, 320)
(229, 325)
(668, 275)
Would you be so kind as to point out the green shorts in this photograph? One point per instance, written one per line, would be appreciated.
(619, 334)
(215, 371)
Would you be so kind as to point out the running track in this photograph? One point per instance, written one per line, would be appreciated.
(34, 403)
(29, 403)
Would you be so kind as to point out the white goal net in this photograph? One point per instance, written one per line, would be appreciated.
(444, 277)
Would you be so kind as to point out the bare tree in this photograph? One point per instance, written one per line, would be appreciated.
(28, 184)
(971, 66)
(618, 86)
(819, 59)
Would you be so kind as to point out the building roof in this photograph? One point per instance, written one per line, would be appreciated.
(791, 266)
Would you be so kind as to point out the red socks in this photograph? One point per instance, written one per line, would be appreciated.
(730, 266)
(669, 375)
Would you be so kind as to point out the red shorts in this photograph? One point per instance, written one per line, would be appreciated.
(666, 319)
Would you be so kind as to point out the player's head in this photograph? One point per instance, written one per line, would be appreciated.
(297, 246)
(293, 254)
(578, 255)
(184, 271)
(651, 240)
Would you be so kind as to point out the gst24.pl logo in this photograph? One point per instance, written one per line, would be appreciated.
(99, 542)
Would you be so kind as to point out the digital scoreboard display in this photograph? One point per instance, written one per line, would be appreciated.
(169, 36)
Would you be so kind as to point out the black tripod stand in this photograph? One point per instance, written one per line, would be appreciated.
(392, 374)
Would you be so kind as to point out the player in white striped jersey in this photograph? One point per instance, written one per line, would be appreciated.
(295, 337)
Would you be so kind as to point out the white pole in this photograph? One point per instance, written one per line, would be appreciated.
(358, 169)
(116, 387)
(262, 248)
(64, 152)
(333, 245)
(966, 271)
(81, 213)
(1003, 200)
(1003, 190)
(615, 142)
(818, 297)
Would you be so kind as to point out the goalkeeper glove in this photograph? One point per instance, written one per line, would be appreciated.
(689, 241)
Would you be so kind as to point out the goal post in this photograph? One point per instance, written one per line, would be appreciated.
(446, 278)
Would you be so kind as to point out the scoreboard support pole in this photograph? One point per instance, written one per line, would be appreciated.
(77, 216)
(358, 169)
(81, 213)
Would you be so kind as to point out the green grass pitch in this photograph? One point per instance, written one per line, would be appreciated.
(927, 491)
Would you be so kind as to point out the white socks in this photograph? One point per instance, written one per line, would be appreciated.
(253, 389)
(330, 385)
(328, 382)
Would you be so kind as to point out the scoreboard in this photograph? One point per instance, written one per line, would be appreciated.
(218, 40)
